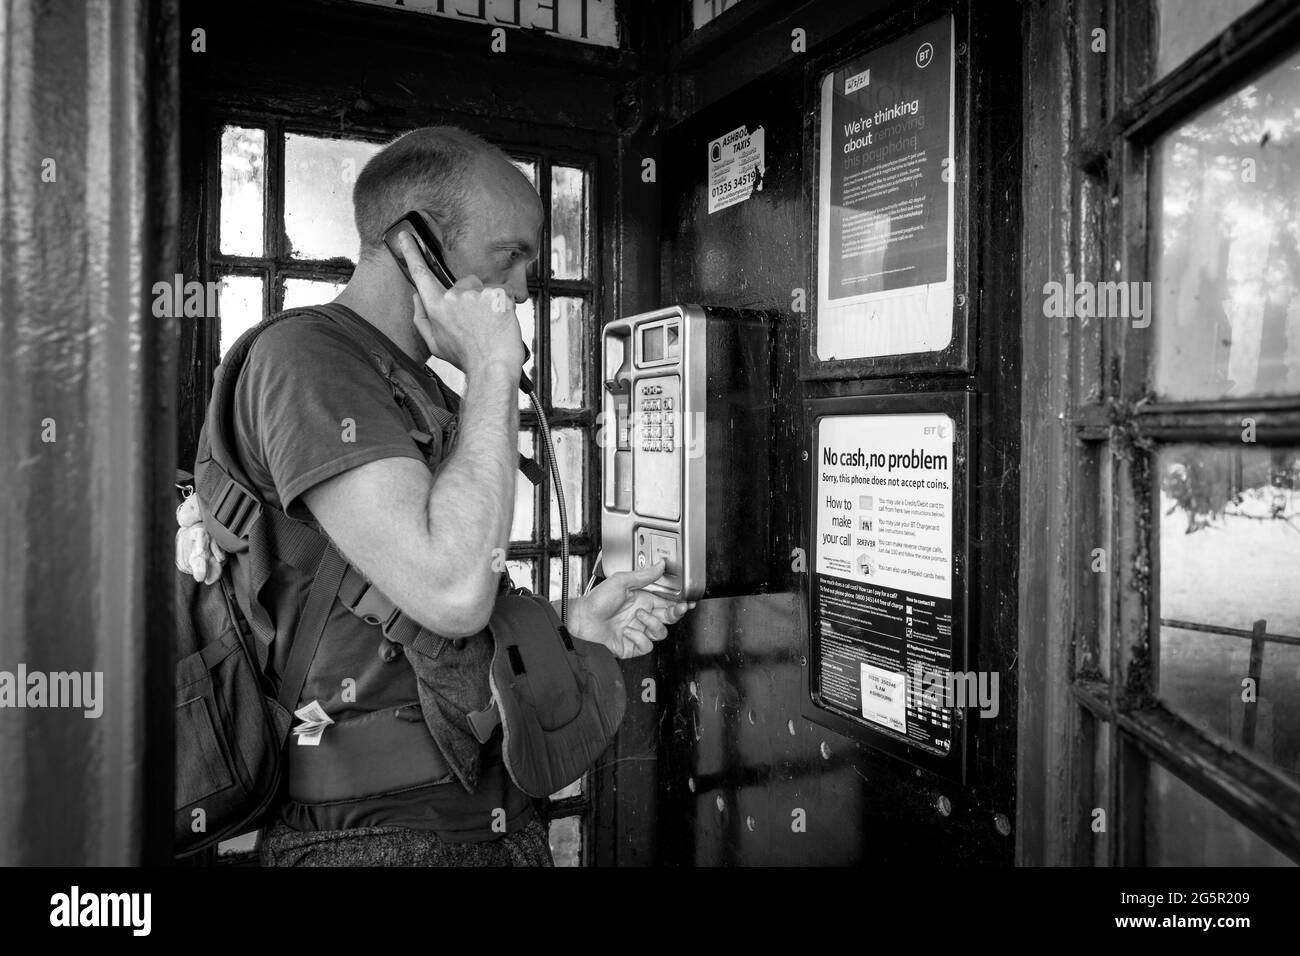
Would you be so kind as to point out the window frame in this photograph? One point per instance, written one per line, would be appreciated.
(1120, 427)
(275, 266)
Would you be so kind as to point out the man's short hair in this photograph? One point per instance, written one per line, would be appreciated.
(429, 168)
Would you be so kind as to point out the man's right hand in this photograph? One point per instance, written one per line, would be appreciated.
(472, 327)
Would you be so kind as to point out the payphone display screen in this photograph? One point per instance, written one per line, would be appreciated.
(652, 344)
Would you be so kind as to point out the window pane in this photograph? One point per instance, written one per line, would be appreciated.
(575, 572)
(303, 292)
(1226, 261)
(529, 168)
(566, 841)
(1184, 26)
(523, 573)
(527, 315)
(527, 329)
(1229, 550)
(570, 444)
(243, 183)
(568, 352)
(568, 223)
(240, 304)
(1184, 828)
(318, 179)
(525, 500)
(572, 790)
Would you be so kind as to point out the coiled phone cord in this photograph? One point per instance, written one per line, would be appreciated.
(559, 500)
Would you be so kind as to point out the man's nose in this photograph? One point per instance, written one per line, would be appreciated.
(518, 288)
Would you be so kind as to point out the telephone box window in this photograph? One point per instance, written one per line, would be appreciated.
(318, 178)
(1184, 26)
(240, 302)
(568, 351)
(1183, 828)
(304, 292)
(570, 450)
(1229, 610)
(521, 529)
(523, 573)
(1226, 262)
(568, 223)
(243, 190)
(575, 578)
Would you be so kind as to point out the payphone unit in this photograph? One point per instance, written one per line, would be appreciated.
(686, 416)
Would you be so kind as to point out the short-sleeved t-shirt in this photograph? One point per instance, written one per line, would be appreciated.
(306, 380)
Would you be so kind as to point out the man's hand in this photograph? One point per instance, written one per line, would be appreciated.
(196, 553)
(470, 326)
(621, 615)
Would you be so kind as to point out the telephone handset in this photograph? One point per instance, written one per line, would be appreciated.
(414, 224)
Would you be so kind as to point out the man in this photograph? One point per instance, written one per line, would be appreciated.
(321, 437)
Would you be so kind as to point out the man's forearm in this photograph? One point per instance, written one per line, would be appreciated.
(471, 503)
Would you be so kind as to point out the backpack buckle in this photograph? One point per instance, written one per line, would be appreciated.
(373, 608)
(236, 509)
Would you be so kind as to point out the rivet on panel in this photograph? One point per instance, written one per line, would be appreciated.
(722, 804)
(826, 750)
(750, 822)
(1002, 823)
(751, 716)
(789, 725)
(944, 805)
(690, 784)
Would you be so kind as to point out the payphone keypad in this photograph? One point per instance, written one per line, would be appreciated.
(655, 412)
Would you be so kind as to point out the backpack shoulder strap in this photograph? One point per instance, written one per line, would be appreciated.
(233, 513)
(230, 505)
(311, 627)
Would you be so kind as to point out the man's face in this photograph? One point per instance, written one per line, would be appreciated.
(503, 224)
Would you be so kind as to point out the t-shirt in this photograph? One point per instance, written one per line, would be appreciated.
(305, 381)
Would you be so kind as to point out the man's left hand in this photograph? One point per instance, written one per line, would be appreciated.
(623, 616)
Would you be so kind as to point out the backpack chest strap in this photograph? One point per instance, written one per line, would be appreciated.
(367, 602)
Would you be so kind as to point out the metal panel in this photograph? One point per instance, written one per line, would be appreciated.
(86, 373)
